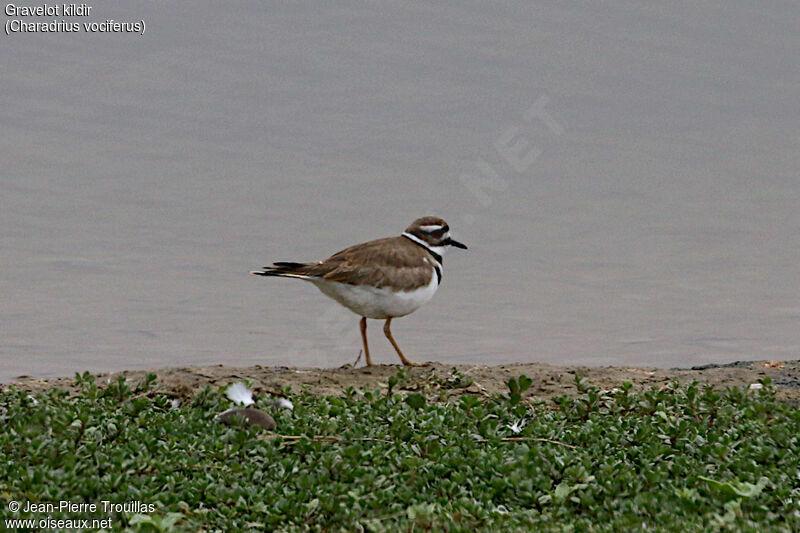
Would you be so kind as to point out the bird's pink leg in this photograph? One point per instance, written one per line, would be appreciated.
(388, 333)
(364, 338)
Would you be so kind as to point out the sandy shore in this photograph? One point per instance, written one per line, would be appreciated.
(548, 380)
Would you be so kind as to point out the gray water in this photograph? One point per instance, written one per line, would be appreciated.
(625, 174)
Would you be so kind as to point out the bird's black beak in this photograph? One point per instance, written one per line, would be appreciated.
(455, 243)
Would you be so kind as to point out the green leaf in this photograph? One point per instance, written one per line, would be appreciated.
(513, 386)
(524, 383)
(738, 488)
(415, 400)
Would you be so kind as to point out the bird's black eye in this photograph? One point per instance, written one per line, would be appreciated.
(439, 232)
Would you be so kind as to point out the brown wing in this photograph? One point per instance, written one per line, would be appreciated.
(375, 263)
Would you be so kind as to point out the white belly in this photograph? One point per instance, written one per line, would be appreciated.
(372, 302)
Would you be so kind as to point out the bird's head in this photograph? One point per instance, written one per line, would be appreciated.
(434, 232)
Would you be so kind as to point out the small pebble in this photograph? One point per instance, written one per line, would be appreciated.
(254, 417)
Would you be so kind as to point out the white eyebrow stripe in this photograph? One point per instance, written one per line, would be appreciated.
(431, 228)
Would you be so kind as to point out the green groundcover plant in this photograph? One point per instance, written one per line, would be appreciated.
(680, 458)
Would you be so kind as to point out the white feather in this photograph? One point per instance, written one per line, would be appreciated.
(283, 403)
(240, 394)
(516, 427)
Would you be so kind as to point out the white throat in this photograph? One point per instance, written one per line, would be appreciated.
(438, 250)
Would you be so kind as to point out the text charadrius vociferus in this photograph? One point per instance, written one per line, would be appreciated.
(382, 279)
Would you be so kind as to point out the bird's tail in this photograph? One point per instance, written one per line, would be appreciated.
(283, 269)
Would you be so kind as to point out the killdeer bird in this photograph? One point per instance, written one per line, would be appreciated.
(382, 279)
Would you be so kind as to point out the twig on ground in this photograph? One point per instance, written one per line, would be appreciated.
(293, 439)
(156, 392)
(537, 439)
